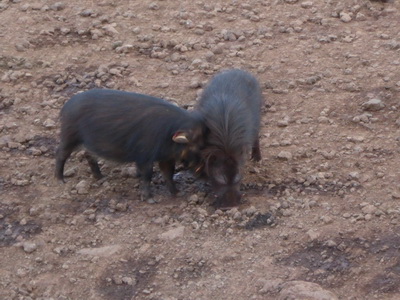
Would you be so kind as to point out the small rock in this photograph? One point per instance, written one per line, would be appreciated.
(86, 13)
(285, 155)
(283, 123)
(49, 124)
(82, 188)
(121, 207)
(173, 233)
(305, 290)
(70, 172)
(194, 198)
(105, 251)
(110, 30)
(29, 247)
(373, 105)
(326, 219)
(360, 17)
(128, 280)
(345, 17)
(369, 209)
(250, 211)
(57, 6)
(354, 175)
(313, 234)
(307, 4)
(271, 286)
(153, 6)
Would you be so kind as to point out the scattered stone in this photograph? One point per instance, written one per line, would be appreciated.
(326, 219)
(260, 220)
(313, 234)
(307, 4)
(271, 286)
(303, 290)
(360, 17)
(153, 6)
(129, 280)
(373, 105)
(57, 6)
(369, 209)
(29, 247)
(105, 251)
(70, 172)
(49, 124)
(86, 13)
(173, 233)
(283, 123)
(345, 17)
(194, 199)
(110, 29)
(285, 155)
(82, 188)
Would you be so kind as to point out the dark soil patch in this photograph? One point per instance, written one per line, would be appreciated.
(126, 280)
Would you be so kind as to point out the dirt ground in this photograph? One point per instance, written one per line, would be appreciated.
(321, 212)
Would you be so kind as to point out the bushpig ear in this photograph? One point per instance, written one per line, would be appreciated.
(180, 137)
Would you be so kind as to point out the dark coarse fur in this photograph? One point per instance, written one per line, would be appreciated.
(127, 127)
(230, 106)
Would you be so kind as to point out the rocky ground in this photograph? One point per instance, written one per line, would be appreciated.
(321, 215)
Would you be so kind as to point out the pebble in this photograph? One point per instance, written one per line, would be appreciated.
(49, 124)
(306, 4)
(373, 105)
(285, 155)
(360, 17)
(345, 17)
(29, 247)
(369, 209)
(82, 188)
(305, 290)
(313, 234)
(173, 234)
(58, 6)
(105, 251)
(110, 30)
(271, 286)
(326, 219)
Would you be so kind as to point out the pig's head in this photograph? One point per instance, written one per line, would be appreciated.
(224, 172)
(189, 143)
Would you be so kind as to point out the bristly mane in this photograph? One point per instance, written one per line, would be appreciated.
(228, 122)
(230, 105)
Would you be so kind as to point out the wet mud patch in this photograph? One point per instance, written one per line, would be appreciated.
(46, 144)
(386, 247)
(386, 283)
(311, 186)
(260, 221)
(321, 260)
(10, 230)
(330, 263)
(128, 279)
(113, 206)
(191, 269)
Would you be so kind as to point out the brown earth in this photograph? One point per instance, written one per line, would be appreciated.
(321, 213)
